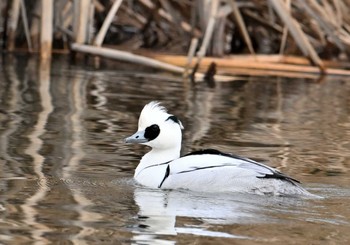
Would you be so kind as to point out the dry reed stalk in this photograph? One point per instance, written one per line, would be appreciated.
(63, 19)
(323, 19)
(297, 32)
(285, 31)
(136, 16)
(190, 55)
(35, 26)
(184, 25)
(137, 59)
(98, 6)
(250, 64)
(67, 19)
(287, 59)
(208, 32)
(242, 26)
(46, 29)
(107, 22)
(217, 43)
(176, 17)
(262, 21)
(12, 24)
(26, 25)
(273, 73)
(90, 24)
(314, 25)
(82, 11)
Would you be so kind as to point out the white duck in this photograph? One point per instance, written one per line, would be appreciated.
(205, 170)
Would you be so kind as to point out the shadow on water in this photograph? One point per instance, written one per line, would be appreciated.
(65, 174)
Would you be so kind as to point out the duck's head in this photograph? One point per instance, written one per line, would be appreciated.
(157, 128)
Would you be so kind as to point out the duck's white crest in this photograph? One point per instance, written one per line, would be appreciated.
(151, 113)
(206, 170)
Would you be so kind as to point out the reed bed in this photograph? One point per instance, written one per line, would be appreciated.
(240, 37)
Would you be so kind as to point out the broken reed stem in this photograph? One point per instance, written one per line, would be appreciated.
(138, 59)
(83, 13)
(12, 24)
(297, 33)
(285, 31)
(184, 25)
(35, 27)
(26, 25)
(262, 63)
(323, 20)
(90, 24)
(107, 22)
(190, 55)
(242, 26)
(208, 31)
(46, 29)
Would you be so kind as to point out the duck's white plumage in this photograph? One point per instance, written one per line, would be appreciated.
(206, 170)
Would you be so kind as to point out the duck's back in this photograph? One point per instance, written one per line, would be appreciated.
(214, 171)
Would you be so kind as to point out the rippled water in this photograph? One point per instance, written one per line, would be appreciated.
(66, 176)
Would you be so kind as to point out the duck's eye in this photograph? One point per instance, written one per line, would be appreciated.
(152, 132)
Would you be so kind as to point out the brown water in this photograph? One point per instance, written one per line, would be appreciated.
(66, 176)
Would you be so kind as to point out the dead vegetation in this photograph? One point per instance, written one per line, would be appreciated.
(245, 37)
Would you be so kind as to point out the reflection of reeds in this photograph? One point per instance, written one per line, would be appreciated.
(316, 28)
(36, 144)
(200, 106)
(10, 168)
(74, 156)
(13, 98)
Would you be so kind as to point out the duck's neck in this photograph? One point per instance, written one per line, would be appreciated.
(157, 156)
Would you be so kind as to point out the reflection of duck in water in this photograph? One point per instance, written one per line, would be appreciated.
(159, 211)
(206, 170)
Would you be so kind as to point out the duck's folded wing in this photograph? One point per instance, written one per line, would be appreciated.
(212, 159)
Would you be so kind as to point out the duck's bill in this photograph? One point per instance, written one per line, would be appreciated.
(138, 137)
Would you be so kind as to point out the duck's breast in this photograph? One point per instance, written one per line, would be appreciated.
(151, 176)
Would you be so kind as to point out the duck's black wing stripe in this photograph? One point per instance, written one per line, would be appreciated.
(216, 152)
(274, 174)
(156, 165)
(208, 151)
(196, 169)
(167, 173)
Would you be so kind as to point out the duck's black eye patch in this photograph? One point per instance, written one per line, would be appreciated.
(174, 119)
(152, 132)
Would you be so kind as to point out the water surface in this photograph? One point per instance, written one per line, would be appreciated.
(66, 175)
